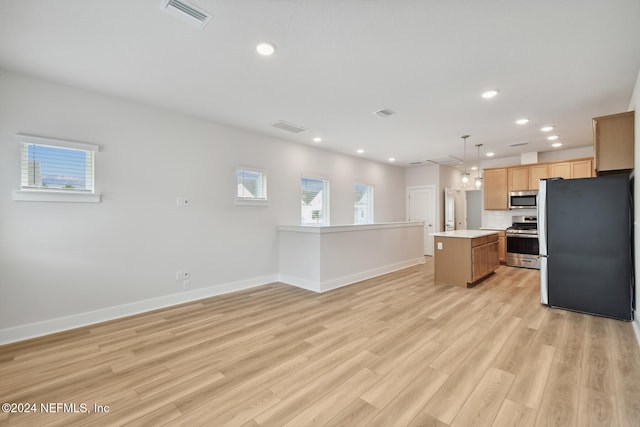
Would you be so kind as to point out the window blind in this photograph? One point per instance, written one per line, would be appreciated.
(50, 164)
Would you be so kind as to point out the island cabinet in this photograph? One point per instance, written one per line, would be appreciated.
(502, 246)
(464, 257)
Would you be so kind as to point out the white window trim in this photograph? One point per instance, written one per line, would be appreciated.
(38, 195)
(325, 198)
(371, 203)
(249, 201)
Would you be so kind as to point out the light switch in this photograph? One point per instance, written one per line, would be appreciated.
(439, 246)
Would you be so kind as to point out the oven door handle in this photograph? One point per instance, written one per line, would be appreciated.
(526, 236)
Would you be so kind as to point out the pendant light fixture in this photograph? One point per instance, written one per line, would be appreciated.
(478, 179)
(465, 176)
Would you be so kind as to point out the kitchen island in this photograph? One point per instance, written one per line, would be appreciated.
(464, 257)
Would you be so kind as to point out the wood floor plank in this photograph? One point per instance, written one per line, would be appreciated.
(406, 405)
(486, 399)
(514, 414)
(395, 350)
(531, 378)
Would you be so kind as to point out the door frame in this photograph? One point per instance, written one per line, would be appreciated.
(433, 202)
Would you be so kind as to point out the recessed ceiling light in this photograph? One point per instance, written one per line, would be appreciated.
(490, 94)
(265, 48)
(359, 151)
(392, 159)
(546, 128)
(552, 137)
(474, 168)
(556, 144)
(522, 121)
(491, 154)
(317, 139)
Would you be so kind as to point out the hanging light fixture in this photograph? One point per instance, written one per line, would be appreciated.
(478, 180)
(465, 176)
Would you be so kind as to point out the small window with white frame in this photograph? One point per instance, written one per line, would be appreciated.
(315, 201)
(363, 204)
(251, 186)
(56, 170)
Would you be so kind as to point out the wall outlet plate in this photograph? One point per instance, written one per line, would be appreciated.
(186, 275)
(178, 275)
(186, 285)
(439, 246)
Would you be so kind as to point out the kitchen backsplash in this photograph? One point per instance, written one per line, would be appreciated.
(502, 219)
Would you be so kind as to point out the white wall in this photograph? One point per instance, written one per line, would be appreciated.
(635, 106)
(65, 259)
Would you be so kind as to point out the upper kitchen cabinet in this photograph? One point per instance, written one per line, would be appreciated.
(536, 173)
(518, 178)
(581, 169)
(495, 189)
(560, 170)
(613, 138)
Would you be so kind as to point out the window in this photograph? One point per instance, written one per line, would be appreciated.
(315, 201)
(251, 188)
(56, 170)
(363, 204)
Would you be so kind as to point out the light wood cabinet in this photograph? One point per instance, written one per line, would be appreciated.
(536, 173)
(560, 170)
(495, 189)
(502, 246)
(613, 140)
(484, 257)
(518, 178)
(464, 261)
(498, 182)
(581, 169)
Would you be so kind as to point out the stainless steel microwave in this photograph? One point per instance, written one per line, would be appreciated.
(523, 199)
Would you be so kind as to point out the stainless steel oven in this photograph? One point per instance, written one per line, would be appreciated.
(523, 249)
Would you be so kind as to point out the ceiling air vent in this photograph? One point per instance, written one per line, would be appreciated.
(289, 127)
(385, 112)
(447, 161)
(518, 144)
(186, 12)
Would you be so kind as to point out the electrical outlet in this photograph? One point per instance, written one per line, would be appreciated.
(185, 202)
(186, 275)
(186, 285)
(178, 275)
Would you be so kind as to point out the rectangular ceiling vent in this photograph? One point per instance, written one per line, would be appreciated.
(385, 112)
(518, 144)
(187, 12)
(449, 161)
(289, 127)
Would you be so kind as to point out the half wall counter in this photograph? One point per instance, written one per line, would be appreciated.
(321, 258)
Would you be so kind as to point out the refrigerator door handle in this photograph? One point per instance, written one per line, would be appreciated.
(544, 281)
(542, 217)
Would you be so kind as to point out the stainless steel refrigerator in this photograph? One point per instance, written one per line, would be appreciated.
(586, 262)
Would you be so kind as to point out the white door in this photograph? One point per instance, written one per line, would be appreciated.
(422, 208)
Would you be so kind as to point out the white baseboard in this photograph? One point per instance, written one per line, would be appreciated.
(327, 285)
(300, 282)
(636, 329)
(37, 329)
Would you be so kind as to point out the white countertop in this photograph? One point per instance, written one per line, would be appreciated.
(494, 228)
(464, 234)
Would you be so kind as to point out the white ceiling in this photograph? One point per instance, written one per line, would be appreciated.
(338, 61)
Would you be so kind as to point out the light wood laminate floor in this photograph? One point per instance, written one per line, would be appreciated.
(397, 350)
